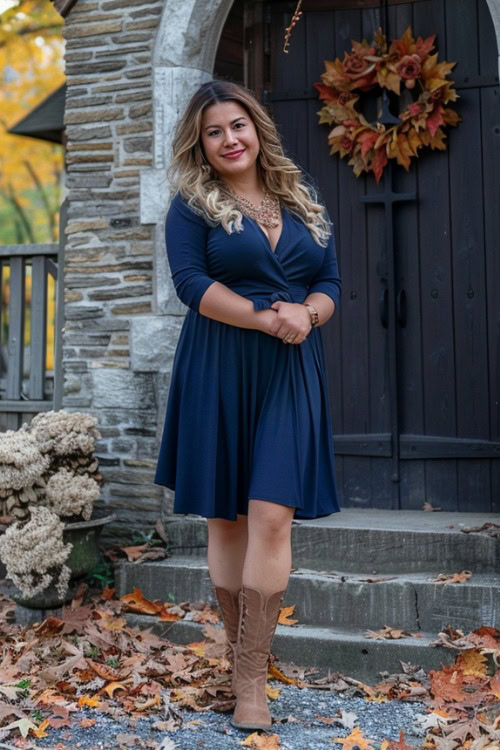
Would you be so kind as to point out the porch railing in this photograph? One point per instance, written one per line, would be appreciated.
(27, 387)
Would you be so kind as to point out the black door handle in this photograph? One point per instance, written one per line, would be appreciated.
(384, 307)
(401, 308)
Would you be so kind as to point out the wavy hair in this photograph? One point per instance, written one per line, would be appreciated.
(207, 194)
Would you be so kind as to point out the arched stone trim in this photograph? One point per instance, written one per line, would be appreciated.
(494, 6)
(183, 58)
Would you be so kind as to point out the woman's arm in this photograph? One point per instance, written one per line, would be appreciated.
(325, 289)
(186, 239)
(222, 304)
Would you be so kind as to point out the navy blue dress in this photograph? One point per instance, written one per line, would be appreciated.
(247, 416)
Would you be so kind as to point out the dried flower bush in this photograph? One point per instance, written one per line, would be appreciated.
(35, 553)
(32, 457)
(67, 494)
(48, 473)
(21, 469)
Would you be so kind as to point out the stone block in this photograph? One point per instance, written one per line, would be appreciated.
(143, 72)
(145, 24)
(154, 196)
(120, 51)
(125, 291)
(114, 389)
(113, 4)
(101, 146)
(71, 31)
(131, 145)
(149, 11)
(131, 309)
(143, 127)
(88, 158)
(98, 115)
(86, 101)
(83, 226)
(80, 312)
(153, 340)
(140, 110)
(127, 38)
(88, 180)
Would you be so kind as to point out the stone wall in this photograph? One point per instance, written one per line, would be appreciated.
(110, 333)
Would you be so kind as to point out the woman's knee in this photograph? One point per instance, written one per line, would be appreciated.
(270, 519)
(221, 527)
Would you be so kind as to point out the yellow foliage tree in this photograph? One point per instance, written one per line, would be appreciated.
(31, 67)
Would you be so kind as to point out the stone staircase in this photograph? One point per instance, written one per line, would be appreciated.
(335, 603)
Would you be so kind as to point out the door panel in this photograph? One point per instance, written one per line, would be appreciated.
(446, 262)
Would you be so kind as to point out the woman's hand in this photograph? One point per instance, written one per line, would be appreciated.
(268, 321)
(294, 322)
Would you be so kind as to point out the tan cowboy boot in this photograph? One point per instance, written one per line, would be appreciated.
(229, 606)
(258, 620)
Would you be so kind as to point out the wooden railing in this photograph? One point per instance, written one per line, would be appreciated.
(29, 388)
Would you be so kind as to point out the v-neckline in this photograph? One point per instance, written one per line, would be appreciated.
(268, 241)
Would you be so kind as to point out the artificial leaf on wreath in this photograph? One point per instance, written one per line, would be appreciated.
(399, 69)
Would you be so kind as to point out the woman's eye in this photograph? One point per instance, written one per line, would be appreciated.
(213, 132)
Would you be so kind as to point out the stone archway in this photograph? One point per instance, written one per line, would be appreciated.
(183, 59)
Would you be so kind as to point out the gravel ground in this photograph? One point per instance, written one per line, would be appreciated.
(295, 722)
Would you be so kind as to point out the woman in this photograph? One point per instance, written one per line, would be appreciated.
(247, 441)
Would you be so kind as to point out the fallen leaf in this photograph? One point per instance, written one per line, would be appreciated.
(401, 745)
(40, 730)
(355, 739)
(24, 726)
(86, 723)
(86, 701)
(389, 633)
(284, 617)
(453, 577)
(262, 741)
(137, 602)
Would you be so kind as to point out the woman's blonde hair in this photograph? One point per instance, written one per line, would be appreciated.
(205, 192)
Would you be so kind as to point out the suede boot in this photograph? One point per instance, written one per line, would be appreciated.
(229, 607)
(258, 620)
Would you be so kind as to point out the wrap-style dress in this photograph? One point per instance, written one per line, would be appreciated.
(247, 415)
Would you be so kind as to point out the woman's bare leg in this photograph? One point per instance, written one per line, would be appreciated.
(227, 546)
(268, 560)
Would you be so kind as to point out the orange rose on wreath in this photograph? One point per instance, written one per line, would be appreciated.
(407, 61)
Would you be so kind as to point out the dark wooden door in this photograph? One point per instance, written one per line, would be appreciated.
(444, 446)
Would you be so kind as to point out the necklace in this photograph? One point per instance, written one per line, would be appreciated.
(267, 213)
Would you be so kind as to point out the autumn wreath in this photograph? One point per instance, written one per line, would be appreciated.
(370, 145)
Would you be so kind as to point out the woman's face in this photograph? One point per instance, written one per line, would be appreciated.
(230, 139)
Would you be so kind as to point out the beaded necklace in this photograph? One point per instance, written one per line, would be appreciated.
(267, 213)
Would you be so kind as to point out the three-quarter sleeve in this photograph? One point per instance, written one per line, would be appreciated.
(328, 280)
(186, 240)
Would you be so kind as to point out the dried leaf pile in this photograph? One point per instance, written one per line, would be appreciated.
(92, 657)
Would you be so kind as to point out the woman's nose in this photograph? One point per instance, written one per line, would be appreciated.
(230, 138)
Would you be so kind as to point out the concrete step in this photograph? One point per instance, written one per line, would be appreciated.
(371, 541)
(409, 601)
(346, 651)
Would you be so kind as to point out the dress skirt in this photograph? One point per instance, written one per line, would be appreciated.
(247, 417)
